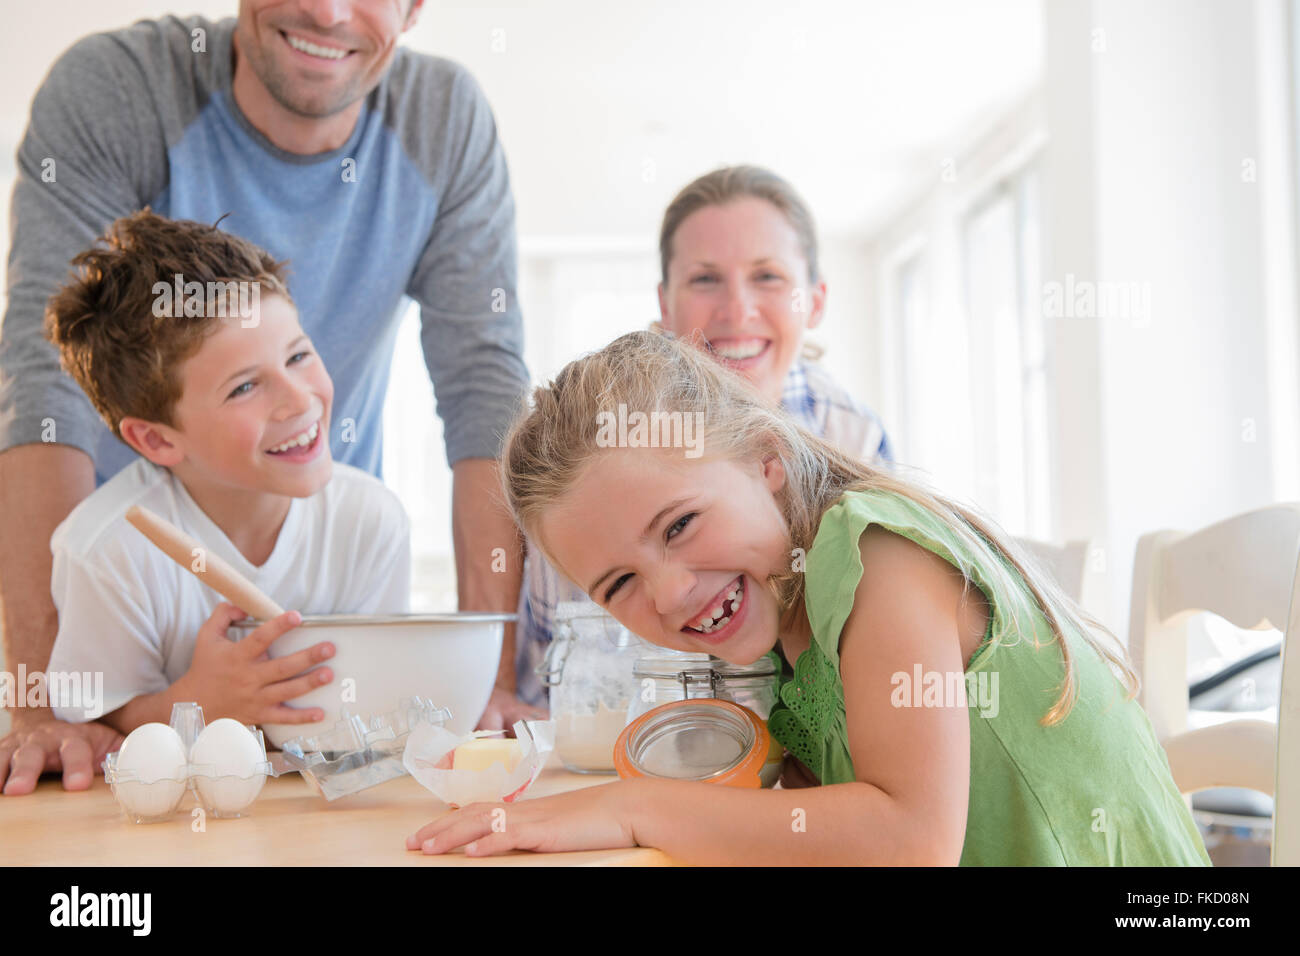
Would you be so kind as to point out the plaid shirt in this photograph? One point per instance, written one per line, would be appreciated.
(810, 396)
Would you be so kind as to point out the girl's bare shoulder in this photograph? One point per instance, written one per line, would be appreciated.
(901, 579)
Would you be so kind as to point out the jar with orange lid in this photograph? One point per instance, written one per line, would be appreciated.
(701, 740)
(663, 676)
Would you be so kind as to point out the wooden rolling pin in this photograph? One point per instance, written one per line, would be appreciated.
(216, 573)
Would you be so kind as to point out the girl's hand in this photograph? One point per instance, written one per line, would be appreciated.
(593, 818)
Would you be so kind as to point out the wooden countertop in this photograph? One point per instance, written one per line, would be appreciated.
(289, 825)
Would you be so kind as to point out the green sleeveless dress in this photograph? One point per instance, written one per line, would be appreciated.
(1094, 789)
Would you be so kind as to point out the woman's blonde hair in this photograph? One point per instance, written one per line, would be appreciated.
(551, 445)
(728, 184)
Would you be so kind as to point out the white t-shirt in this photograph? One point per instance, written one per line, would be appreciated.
(129, 611)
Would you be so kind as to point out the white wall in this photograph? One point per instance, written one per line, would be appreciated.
(1166, 422)
(1167, 160)
(848, 331)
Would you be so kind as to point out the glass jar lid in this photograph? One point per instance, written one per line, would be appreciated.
(669, 665)
(709, 741)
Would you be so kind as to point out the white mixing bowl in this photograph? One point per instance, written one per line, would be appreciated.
(452, 659)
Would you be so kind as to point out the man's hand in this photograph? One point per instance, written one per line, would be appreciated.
(39, 485)
(38, 743)
(504, 708)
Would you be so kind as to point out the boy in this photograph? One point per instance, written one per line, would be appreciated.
(186, 341)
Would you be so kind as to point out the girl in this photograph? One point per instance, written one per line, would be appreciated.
(772, 538)
(741, 274)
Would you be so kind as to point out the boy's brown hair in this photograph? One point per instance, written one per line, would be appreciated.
(106, 323)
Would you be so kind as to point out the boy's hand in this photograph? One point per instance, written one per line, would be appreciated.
(239, 679)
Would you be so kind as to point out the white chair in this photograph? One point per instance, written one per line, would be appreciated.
(1067, 563)
(1246, 571)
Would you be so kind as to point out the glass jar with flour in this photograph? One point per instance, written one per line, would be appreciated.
(588, 668)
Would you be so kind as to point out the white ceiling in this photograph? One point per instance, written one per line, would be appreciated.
(856, 102)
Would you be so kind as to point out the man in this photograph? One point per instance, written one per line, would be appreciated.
(377, 172)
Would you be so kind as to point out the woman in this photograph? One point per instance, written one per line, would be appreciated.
(739, 272)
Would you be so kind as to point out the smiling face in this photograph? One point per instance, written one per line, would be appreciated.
(681, 549)
(738, 275)
(254, 410)
(317, 58)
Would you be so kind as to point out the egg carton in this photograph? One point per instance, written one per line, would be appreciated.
(358, 752)
(221, 795)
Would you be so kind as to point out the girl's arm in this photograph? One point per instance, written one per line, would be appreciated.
(908, 805)
(912, 764)
(844, 824)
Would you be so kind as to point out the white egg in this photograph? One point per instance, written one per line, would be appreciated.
(151, 771)
(227, 759)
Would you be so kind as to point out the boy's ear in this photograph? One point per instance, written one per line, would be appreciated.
(156, 442)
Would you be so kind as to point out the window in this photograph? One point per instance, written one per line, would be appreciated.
(1008, 375)
(933, 434)
(966, 338)
(911, 308)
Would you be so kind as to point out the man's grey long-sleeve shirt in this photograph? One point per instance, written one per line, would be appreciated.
(416, 203)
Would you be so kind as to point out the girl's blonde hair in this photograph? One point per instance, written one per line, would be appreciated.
(551, 445)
